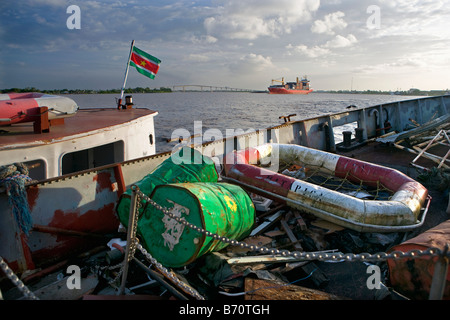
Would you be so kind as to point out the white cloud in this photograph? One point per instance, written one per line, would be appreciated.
(325, 49)
(198, 57)
(415, 6)
(254, 18)
(312, 52)
(331, 21)
(203, 39)
(250, 63)
(52, 3)
(402, 64)
(428, 18)
(341, 41)
(412, 40)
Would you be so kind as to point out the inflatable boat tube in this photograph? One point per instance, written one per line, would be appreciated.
(24, 107)
(400, 213)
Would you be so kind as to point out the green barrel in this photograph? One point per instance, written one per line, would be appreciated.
(186, 165)
(220, 208)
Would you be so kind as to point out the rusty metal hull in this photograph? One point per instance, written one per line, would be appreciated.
(71, 213)
(275, 90)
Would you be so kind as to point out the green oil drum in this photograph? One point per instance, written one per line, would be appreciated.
(220, 208)
(186, 165)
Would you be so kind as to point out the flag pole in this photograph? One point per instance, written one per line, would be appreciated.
(119, 104)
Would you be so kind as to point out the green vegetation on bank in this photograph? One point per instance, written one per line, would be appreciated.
(410, 92)
(85, 91)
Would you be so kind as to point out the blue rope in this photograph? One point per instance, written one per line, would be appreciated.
(17, 199)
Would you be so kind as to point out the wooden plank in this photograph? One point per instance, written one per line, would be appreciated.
(59, 290)
(259, 289)
(265, 225)
(430, 156)
(291, 235)
(301, 223)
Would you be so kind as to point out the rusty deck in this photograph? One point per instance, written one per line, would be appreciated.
(84, 121)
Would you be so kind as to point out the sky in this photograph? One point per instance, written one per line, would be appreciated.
(338, 44)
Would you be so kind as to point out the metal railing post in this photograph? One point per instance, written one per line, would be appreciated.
(130, 239)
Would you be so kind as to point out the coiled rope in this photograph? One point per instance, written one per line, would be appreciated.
(14, 178)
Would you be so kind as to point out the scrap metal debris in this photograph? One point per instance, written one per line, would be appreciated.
(238, 272)
(430, 141)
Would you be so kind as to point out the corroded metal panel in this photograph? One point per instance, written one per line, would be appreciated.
(413, 277)
(81, 203)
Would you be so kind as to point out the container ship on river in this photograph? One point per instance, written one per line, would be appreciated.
(298, 87)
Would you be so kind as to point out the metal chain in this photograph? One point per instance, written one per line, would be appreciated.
(135, 241)
(302, 255)
(170, 274)
(113, 282)
(16, 281)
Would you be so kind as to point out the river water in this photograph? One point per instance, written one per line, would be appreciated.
(232, 110)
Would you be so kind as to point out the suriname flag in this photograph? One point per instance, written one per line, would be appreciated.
(144, 63)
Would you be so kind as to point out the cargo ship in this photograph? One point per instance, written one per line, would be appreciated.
(298, 87)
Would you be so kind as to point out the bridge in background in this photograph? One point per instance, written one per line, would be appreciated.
(199, 87)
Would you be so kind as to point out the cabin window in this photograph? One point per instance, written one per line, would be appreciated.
(93, 157)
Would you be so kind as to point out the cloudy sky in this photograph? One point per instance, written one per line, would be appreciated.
(338, 44)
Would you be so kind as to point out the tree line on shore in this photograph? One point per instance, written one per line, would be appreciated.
(86, 91)
(410, 92)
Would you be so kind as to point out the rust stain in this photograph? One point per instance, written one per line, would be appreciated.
(100, 220)
(32, 195)
(103, 180)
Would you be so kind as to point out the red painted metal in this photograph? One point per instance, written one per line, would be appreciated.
(121, 187)
(413, 277)
(281, 90)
